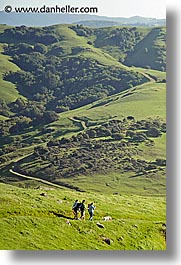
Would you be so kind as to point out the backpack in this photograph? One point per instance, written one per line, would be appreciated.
(82, 206)
(77, 207)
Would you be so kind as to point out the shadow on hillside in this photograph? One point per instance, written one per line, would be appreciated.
(61, 215)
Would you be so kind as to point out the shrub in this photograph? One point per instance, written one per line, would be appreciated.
(153, 132)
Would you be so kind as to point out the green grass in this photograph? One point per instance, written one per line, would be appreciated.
(149, 49)
(8, 91)
(103, 42)
(3, 118)
(71, 41)
(121, 183)
(158, 150)
(147, 100)
(31, 221)
(137, 204)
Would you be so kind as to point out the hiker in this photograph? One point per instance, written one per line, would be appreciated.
(75, 209)
(82, 210)
(91, 209)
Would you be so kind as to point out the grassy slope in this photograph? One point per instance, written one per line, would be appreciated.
(147, 100)
(72, 41)
(148, 49)
(110, 47)
(8, 90)
(39, 222)
(25, 215)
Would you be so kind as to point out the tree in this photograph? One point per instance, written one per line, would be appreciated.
(130, 133)
(117, 136)
(22, 124)
(139, 137)
(41, 150)
(50, 116)
(39, 47)
(160, 162)
(153, 132)
(4, 109)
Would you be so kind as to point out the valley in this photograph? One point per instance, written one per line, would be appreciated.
(82, 115)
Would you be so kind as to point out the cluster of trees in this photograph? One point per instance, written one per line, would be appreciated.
(14, 125)
(83, 31)
(125, 38)
(62, 84)
(160, 59)
(25, 48)
(29, 114)
(87, 152)
(45, 35)
(4, 108)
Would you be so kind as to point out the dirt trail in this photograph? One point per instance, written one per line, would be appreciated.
(36, 179)
(148, 77)
(84, 127)
(60, 185)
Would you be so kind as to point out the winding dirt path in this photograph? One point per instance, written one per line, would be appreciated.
(84, 127)
(60, 185)
(33, 178)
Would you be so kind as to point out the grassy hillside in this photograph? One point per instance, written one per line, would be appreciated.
(82, 116)
(31, 221)
(94, 116)
(8, 90)
(151, 49)
(129, 44)
(119, 41)
(126, 103)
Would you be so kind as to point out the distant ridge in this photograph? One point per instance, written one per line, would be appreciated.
(32, 19)
(128, 22)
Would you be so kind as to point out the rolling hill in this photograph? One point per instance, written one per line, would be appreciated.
(82, 115)
(45, 19)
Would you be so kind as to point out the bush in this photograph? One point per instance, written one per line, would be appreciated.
(117, 136)
(153, 132)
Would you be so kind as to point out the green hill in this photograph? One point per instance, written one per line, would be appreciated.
(8, 90)
(32, 221)
(151, 49)
(82, 115)
(129, 44)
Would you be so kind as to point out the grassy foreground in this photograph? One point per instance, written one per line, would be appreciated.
(37, 219)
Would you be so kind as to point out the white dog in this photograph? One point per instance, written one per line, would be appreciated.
(107, 218)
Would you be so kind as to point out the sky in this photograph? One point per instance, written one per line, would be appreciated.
(111, 8)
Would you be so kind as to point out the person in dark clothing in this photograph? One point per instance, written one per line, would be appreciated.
(75, 209)
(82, 210)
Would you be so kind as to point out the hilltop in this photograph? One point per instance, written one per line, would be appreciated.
(45, 19)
